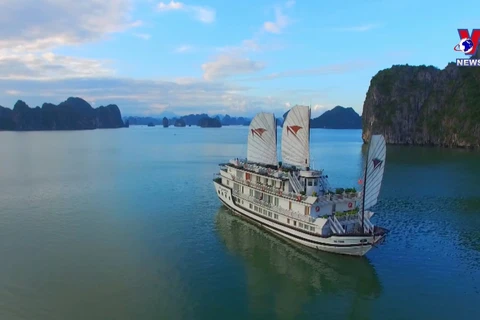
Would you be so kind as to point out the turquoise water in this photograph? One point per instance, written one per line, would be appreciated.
(125, 224)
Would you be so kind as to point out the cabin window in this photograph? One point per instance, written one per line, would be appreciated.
(236, 187)
(312, 229)
(275, 201)
(294, 223)
(305, 227)
(228, 182)
(290, 205)
(300, 225)
(258, 194)
(315, 182)
(275, 216)
(270, 214)
(307, 211)
(288, 221)
(251, 193)
(256, 208)
(258, 179)
(251, 206)
(269, 199)
(310, 182)
(243, 190)
(218, 191)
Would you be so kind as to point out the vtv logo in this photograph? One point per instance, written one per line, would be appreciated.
(468, 45)
(465, 36)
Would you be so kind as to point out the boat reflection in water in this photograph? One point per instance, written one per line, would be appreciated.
(286, 280)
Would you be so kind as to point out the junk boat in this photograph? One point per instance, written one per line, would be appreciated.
(295, 201)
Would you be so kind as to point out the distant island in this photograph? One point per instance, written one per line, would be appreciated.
(420, 105)
(77, 114)
(189, 120)
(72, 114)
(336, 118)
(180, 123)
(208, 122)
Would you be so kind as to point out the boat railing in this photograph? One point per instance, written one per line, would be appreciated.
(291, 195)
(347, 217)
(368, 225)
(271, 189)
(290, 213)
(242, 163)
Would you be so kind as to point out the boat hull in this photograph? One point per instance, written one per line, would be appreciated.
(354, 245)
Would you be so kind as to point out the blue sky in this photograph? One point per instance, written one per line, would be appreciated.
(235, 57)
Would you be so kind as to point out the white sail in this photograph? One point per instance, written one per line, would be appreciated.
(374, 170)
(262, 139)
(296, 137)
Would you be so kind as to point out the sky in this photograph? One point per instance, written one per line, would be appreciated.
(217, 56)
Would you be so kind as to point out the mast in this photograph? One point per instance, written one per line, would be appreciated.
(276, 137)
(364, 189)
(309, 123)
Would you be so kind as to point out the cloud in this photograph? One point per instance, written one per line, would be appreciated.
(323, 70)
(318, 107)
(361, 28)
(232, 61)
(48, 66)
(137, 97)
(200, 13)
(170, 6)
(13, 92)
(183, 49)
(28, 25)
(143, 36)
(277, 26)
(225, 66)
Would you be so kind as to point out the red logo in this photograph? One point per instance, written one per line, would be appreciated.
(468, 42)
(376, 163)
(258, 132)
(293, 129)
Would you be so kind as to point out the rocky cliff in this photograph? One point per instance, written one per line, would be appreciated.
(72, 114)
(424, 106)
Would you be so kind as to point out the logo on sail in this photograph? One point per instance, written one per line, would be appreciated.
(376, 163)
(259, 132)
(293, 129)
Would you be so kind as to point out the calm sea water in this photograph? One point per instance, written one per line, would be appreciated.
(125, 224)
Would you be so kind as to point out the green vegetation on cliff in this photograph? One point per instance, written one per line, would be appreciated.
(424, 106)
